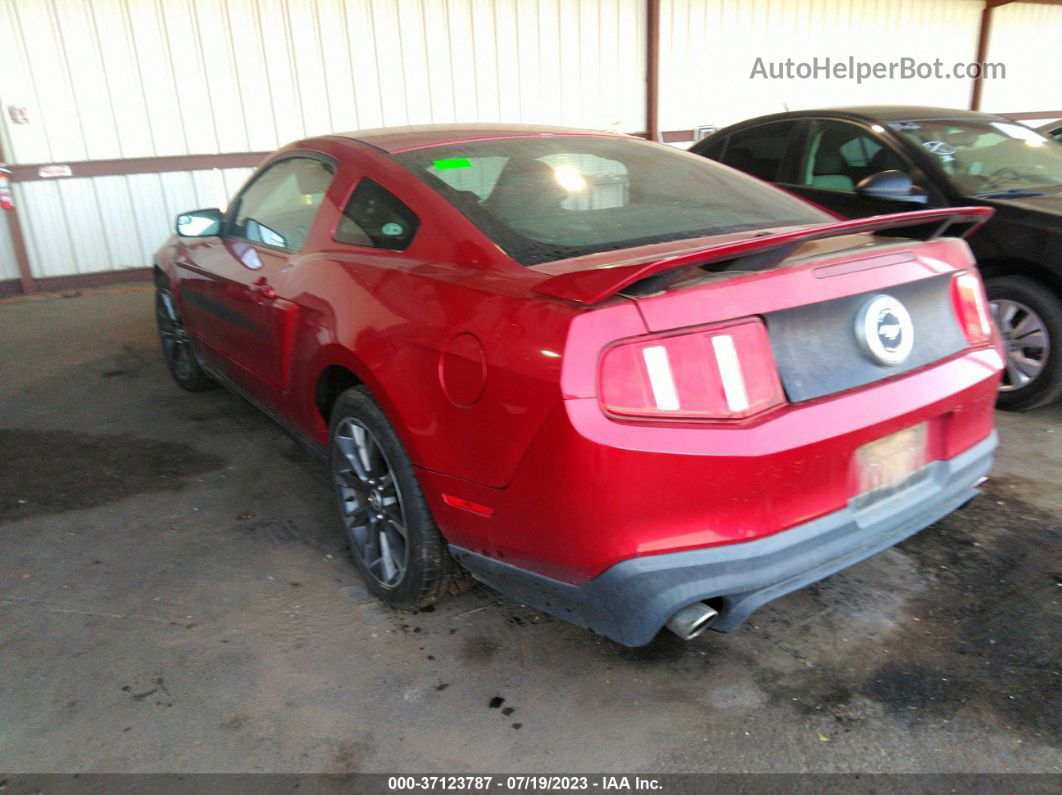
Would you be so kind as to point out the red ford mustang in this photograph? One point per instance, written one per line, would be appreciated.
(622, 383)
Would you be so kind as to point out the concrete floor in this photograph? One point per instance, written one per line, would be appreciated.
(175, 596)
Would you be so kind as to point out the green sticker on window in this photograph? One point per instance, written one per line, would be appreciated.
(453, 162)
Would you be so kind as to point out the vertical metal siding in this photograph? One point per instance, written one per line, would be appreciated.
(709, 48)
(95, 224)
(8, 266)
(1023, 38)
(141, 78)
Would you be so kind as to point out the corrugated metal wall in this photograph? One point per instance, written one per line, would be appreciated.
(8, 266)
(1024, 36)
(108, 223)
(138, 78)
(708, 48)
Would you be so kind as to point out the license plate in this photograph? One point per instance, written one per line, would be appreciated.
(886, 462)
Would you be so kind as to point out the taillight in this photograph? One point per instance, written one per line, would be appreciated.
(722, 372)
(971, 307)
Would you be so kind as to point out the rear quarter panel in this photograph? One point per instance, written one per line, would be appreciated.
(390, 322)
(389, 317)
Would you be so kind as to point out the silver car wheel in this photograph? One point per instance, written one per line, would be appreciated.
(1026, 341)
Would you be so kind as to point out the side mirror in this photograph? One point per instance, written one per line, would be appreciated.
(891, 186)
(199, 223)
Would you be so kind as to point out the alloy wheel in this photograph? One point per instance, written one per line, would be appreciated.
(370, 502)
(175, 343)
(1026, 342)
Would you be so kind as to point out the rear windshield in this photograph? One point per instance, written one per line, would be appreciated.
(545, 199)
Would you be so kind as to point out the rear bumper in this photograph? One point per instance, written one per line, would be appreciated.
(631, 600)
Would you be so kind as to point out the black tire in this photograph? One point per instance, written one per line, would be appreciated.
(1044, 304)
(177, 348)
(359, 432)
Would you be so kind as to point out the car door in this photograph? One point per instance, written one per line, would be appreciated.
(231, 288)
(835, 156)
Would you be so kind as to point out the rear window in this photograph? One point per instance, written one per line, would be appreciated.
(376, 218)
(550, 198)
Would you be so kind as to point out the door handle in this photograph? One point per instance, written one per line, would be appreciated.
(263, 290)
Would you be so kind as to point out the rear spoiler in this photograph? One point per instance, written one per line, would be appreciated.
(643, 275)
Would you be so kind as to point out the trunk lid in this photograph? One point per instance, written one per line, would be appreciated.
(812, 306)
(836, 307)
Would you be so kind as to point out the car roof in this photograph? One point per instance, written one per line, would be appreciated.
(872, 113)
(910, 112)
(403, 139)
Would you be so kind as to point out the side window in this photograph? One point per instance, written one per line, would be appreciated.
(859, 151)
(278, 208)
(760, 150)
(840, 155)
(375, 217)
(714, 148)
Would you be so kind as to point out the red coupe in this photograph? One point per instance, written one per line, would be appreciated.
(619, 382)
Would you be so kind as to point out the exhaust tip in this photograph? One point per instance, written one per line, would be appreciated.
(692, 620)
